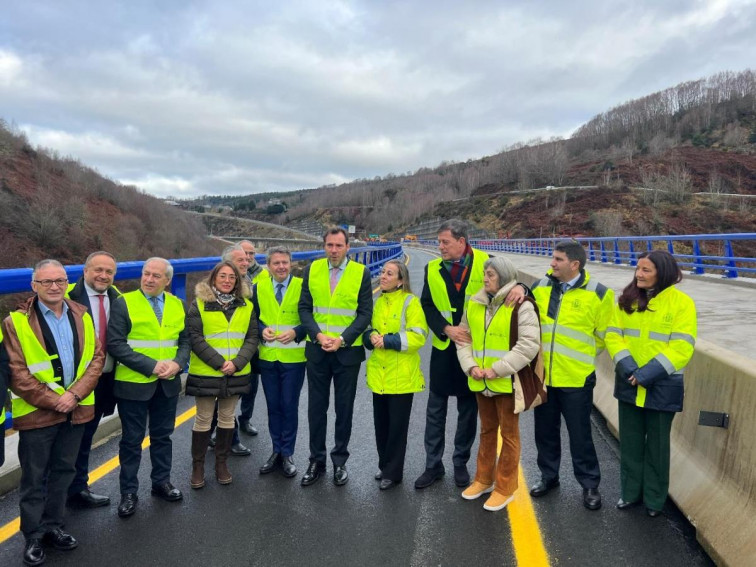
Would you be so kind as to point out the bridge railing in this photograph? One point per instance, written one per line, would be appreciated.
(698, 253)
(17, 280)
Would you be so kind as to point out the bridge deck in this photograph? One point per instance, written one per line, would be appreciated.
(263, 520)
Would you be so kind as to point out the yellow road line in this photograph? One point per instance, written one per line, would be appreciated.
(11, 528)
(526, 533)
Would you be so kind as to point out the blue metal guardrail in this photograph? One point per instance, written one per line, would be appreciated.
(689, 250)
(18, 279)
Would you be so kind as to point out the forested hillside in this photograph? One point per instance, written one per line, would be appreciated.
(646, 157)
(56, 207)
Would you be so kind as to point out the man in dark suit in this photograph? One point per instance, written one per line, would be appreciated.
(335, 307)
(96, 292)
(449, 282)
(148, 338)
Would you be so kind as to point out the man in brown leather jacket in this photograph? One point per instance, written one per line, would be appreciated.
(55, 362)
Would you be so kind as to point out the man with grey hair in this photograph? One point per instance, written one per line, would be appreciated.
(55, 362)
(148, 338)
(575, 311)
(449, 281)
(255, 271)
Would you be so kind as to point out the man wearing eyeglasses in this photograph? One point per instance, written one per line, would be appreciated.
(55, 361)
(148, 338)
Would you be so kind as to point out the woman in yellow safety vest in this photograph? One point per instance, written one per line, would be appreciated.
(651, 339)
(490, 361)
(397, 331)
(223, 330)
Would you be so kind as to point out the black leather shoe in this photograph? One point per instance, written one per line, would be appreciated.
(461, 476)
(167, 492)
(591, 498)
(622, 505)
(246, 427)
(313, 473)
(87, 499)
(378, 475)
(542, 488)
(239, 450)
(428, 477)
(653, 513)
(288, 467)
(60, 540)
(128, 504)
(387, 484)
(340, 475)
(34, 554)
(271, 464)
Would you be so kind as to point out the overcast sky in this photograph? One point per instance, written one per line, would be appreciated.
(187, 97)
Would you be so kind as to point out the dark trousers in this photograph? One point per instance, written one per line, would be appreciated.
(435, 430)
(47, 457)
(247, 401)
(391, 416)
(575, 405)
(644, 454)
(161, 411)
(81, 478)
(319, 378)
(282, 384)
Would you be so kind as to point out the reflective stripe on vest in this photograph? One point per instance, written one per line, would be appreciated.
(334, 313)
(280, 318)
(439, 294)
(489, 344)
(38, 361)
(226, 337)
(147, 337)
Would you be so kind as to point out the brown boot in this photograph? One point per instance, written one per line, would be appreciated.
(199, 449)
(222, 450)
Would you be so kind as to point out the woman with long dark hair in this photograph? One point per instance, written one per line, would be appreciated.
(651, 340)
(223, 330)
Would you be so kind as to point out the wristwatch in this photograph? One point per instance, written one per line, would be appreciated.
(343, 342)
(77, 398)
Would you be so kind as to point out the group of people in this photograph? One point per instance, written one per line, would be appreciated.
(74, 352)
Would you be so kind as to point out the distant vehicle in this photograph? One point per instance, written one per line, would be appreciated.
(411, 237)
(550, 187)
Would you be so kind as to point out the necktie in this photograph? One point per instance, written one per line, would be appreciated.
(156, 309)
(102, 322)
(565, 287)
(334, 278)
(279, 293)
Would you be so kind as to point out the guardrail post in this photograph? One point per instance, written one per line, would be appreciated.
(633, 256)
(733, 271)
(591, 252)
(603, 252)
(698, 268)
(178, 286)
(617, 259)
(670, 247)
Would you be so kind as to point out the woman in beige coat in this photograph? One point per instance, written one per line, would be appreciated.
(490, 363)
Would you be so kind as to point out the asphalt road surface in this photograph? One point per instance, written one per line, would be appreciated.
(272, 520)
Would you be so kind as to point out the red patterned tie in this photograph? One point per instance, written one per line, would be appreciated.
(103, 322)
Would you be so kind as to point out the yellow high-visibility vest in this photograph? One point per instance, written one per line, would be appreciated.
(439, 294)
(280, 318)
(334, 313)
(158, 341)
(227, 337)
(489, 344)
(39, 362)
